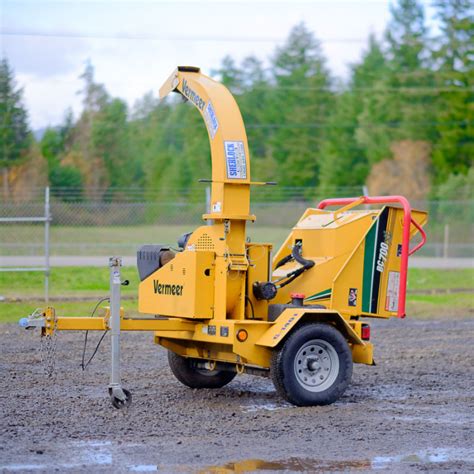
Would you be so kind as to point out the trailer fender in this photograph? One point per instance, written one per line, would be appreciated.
(277, 333)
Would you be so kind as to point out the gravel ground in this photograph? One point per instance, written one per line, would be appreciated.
(414, 411)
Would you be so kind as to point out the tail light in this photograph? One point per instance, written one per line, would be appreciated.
(365, 332)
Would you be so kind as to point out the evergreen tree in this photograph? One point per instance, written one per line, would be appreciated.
(253, 103)
(401, 102)
(297, 108)
(454, 152)
(110, 142)
(102, 138)
(344, 161)
(406, 36)
(15, 138)
(229, 74)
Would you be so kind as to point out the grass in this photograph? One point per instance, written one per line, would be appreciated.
(65, 281)
(423, 279)
(441, 306)
(28, 239)
(92, 282)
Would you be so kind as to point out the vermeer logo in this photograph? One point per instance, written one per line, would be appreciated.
(167, 289)
(193, 96)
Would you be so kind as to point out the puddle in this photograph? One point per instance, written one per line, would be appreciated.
(425, 457)
(96, 453)
(22, 467)
(288, 465)
(105, 454)
(82, 454)
(435, 456)
(265, 406)
(143, 468)
(443, 419)
(388, 393)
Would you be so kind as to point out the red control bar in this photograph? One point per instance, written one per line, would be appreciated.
(407, 220)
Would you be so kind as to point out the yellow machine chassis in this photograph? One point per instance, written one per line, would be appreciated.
(203, 340)
(208, 301)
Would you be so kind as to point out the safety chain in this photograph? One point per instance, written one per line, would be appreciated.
(48, 348)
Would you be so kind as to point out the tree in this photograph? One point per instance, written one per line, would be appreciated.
(15, 137)
(110, 142)
(229, 74)
(55, 146)
(344, 161)
(406, 35)
(454, 152)
(401, 101)
(101, 139)
(299, 103)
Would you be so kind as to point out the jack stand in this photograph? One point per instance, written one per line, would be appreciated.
(119, 397)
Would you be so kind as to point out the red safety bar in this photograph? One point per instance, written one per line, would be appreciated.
(407, 220)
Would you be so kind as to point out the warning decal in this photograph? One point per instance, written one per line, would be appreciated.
(393, 286)
(235, 160)
(211, 119)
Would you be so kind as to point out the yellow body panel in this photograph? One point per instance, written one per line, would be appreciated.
(361, 350)
(184, 287)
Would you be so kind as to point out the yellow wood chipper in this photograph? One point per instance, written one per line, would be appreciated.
(223, 306)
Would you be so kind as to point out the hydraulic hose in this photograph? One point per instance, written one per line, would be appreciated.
(284, 260)
(305, 265)
(296, 254)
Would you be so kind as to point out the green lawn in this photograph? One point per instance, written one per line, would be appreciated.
(454, 305)
(424, 279)
(121, 240)
(93, 283)
(65, 281)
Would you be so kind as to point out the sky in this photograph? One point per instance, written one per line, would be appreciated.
(135, 45)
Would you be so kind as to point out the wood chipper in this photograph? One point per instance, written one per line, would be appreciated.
(223, 306)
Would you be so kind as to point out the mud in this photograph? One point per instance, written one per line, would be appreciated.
(414, 411)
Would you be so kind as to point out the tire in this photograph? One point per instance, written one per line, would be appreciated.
(313, 366)
(119, 404)
(192, 377)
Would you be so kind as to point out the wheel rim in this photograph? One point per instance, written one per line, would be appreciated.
(316, 365)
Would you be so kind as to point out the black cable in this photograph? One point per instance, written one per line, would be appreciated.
(284, 260)
(251, 306)
(292, 276)
(306, 265)
(296, 254)
(85, 364)
(84, 367)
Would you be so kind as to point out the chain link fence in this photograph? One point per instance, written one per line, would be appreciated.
(118, 222)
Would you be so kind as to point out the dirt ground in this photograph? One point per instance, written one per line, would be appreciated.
(414, 411)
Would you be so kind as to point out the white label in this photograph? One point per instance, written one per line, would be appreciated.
(116, 278)
(217, 207)
(211, 119)
(393, 285)
(235, 160)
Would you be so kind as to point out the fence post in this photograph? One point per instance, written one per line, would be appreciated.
(47, 216)
(446, 241)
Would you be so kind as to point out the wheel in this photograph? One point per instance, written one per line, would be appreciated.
(192, 377)
(117, 403)
(313, 366)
